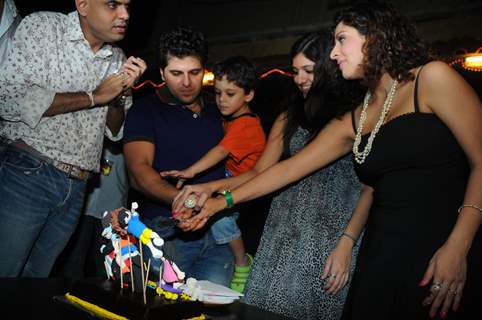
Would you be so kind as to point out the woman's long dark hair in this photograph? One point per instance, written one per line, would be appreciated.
(324, 101)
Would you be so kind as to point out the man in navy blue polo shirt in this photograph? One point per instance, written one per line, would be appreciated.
(172, 129)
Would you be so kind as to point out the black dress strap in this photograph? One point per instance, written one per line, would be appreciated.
(415, 92)
(353, 120)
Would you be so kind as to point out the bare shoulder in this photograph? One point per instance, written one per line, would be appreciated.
(443, 89)
(438, 72)
(438, 80)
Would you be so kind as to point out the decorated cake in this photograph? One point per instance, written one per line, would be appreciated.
(142, 283)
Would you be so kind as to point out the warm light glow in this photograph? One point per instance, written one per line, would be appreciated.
(208, 79)
(469, 61)
(474, 61)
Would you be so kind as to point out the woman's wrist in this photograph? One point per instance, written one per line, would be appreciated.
(220, 203)
(216, 186)
(348, 239)
(458, 243)
(470, 206)
(206, 188)
(191, 172)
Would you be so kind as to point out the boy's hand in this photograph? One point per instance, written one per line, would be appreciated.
(182, 176)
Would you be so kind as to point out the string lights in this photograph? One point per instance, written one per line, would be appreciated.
(148, 82)
(264, 75)
(209, 77)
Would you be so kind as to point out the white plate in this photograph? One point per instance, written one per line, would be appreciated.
(217, 300)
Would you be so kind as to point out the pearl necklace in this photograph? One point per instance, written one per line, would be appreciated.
(361, 156)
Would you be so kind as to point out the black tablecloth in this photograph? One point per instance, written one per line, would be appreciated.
(22, 298)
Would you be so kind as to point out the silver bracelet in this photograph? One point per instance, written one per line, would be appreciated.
(91, 97)
(349, 237)
(469, 206)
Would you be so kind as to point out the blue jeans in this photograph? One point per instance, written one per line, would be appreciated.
(196, 254)
(39, 211)
(226, 229)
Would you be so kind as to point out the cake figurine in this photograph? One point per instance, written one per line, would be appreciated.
(122, 258)
(124, 233)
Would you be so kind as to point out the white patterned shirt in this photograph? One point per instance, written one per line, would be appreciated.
(51, 55)
(8, 24)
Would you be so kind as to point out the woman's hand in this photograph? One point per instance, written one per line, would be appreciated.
(196, 222)
(201, 191)
(448, 271)
(337, 267)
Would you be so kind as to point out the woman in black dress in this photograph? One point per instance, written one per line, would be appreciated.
(417, 141)
(419, 124)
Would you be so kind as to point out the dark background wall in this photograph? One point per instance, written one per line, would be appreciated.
(265, 29)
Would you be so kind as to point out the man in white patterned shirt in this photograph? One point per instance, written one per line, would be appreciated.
(63, 87)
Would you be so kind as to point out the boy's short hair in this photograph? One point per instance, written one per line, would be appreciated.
(239, 70)
(182, 42)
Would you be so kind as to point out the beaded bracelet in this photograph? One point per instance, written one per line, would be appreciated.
(469, 206)
(229, 198)
(349, 237)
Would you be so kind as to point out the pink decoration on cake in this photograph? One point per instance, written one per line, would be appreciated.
(169, 275)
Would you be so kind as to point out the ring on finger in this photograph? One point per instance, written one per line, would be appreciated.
(190, 203)
(436, 286)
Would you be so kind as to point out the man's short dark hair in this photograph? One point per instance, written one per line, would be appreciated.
(239, 70)
(182, 42)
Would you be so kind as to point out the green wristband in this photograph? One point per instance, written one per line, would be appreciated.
(229, 198)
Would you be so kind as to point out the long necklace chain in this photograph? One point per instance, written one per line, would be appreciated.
(361, 156)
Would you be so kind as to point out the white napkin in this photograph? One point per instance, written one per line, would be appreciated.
(214, 289)
(209, 292)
